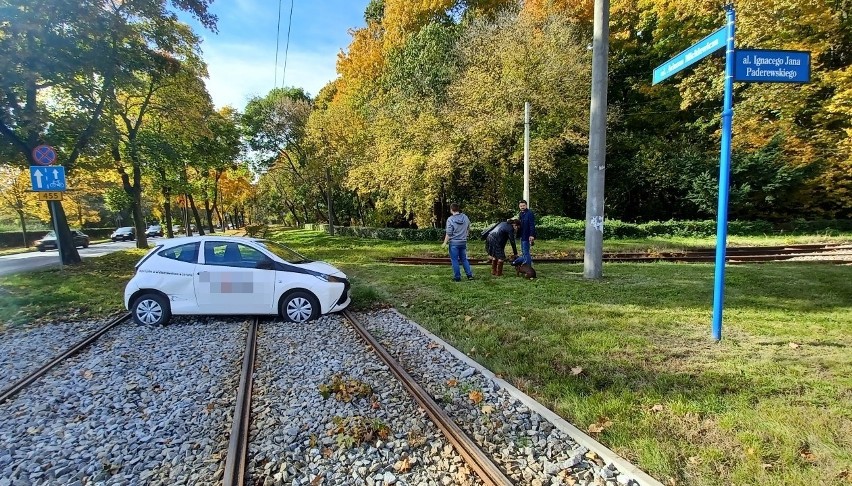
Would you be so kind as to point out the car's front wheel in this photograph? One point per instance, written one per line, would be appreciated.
(85, 244)
(151, 310)
(299, 307)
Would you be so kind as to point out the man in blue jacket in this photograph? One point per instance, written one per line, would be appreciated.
(527, 236)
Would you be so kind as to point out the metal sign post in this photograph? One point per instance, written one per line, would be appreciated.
(50, 183)
(724, 178)
(756, 65)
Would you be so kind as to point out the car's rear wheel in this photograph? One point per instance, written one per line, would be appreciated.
(41, 249)
(85, 244)
(299, 307)
(151, 310)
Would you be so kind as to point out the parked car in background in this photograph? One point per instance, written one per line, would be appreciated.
(123, 234)
(154, 230)
(49, 240)
(229, 275)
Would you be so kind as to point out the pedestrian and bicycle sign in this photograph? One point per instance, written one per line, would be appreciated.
(44, 155)
(46, 179)
(745, 65)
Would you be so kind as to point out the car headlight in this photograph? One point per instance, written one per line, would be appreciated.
(327, 278)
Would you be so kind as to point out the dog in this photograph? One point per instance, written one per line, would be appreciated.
(527, 271)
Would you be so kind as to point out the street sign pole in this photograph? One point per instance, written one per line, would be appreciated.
(724, 178)
(51, 205)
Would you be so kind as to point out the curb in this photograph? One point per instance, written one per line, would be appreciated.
(581, 437)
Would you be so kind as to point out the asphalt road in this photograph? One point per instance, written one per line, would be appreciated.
(25, 262)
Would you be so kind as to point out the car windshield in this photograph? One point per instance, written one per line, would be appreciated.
(283, 252)
(50, 234)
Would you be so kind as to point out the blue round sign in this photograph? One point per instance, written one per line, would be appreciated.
(44, 155)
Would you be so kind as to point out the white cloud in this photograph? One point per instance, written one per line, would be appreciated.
(239, 72)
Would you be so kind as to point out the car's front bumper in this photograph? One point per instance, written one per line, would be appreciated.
(339, 307)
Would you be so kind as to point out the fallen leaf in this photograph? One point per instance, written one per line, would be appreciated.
(210, 406)
(317, 481)
(596, 429)
(486, 409)
(795, 345)
(452, 382)
(508, 302)
(467, 318)
(404, 304)
(576, 370)
(327, 452)
(657, 408)
(475, 396)
(767, 466)
(433, 345)
(523, 318)
(402, 465)
(88, 374)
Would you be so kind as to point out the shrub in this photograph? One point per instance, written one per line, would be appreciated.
(562, 228)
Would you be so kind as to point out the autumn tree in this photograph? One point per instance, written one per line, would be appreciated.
(60, 62)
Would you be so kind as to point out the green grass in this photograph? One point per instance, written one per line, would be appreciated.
(751, 409)
(93, 288)
(748, 410)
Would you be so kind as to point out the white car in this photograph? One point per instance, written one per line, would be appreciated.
(226, 275)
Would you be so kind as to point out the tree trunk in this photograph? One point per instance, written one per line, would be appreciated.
(167, 210)
(23, 220)
(68, 255)
(195, 215)
(209, 215)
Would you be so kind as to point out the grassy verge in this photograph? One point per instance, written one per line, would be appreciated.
(770, 404)
(93, 288)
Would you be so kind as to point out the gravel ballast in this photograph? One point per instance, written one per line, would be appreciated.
(141, 406)
(155, 406)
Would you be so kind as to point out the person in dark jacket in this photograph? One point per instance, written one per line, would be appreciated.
(458, 227)
(495, 244)
(527, 233)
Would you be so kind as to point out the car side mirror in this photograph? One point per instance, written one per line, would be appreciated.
(265, 264)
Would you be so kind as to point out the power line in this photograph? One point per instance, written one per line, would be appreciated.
(287, 45)
(277, 43)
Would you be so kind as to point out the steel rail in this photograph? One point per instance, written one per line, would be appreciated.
(488, 472)
(744, 255)
(27, 380)
(237, 459)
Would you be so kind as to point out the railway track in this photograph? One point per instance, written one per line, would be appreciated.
(733, 255)
(236, 473)
(19, 385)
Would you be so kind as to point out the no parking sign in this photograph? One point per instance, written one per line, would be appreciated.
(44, 155)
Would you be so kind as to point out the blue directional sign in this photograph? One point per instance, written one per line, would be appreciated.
(771, 66)
(47, 178)
(690, 56)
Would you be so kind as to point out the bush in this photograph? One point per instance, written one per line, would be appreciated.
(562, 228)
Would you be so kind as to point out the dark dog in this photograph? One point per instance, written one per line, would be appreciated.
(527, 271)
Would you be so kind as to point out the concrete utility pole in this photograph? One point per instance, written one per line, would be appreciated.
(330, 210)
(527, 152)
(593, 255)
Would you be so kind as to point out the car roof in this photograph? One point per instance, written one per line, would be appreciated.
(192, 239)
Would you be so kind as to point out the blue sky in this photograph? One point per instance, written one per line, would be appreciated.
(241, 57)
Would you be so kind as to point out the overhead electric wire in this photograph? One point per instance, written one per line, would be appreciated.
(277, 43)
(287, 45)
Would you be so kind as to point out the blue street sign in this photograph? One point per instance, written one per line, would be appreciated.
(690, 56)
(44, 155)
(47, 178)
(770, 66)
